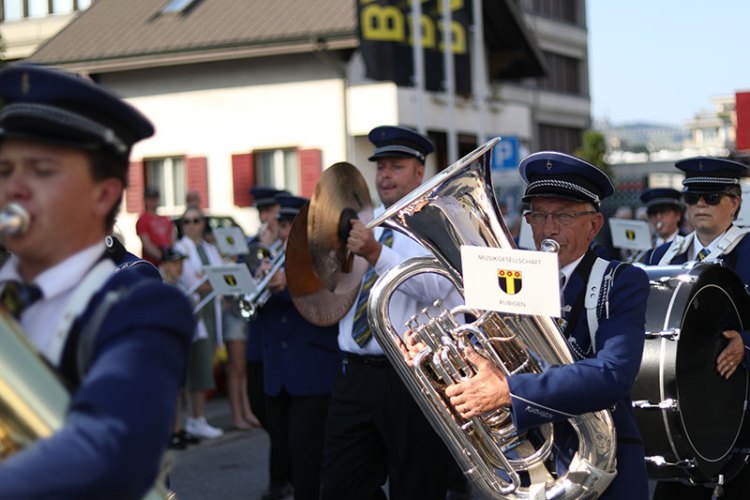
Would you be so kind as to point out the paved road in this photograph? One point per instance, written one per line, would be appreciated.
(234, 466)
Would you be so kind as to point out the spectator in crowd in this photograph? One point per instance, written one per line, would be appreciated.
(171, 270)
(155, 231)
(200, 377)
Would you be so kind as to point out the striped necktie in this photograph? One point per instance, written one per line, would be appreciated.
(361, 328)
(17, 296)
(703, 254)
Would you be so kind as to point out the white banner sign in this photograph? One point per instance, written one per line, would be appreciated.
(230, 241)
(511, 281)
(630, 234)
(230, 279)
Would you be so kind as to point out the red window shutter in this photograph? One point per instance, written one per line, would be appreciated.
(310, 164)
(134, 193)
(197, 177)
(243, 177)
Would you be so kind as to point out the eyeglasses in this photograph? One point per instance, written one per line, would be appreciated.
(709, 198)
(192, 221)
(562, 218)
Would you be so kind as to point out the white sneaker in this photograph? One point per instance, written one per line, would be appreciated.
(199, 427)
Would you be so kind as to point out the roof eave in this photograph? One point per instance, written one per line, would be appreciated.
(210, 54)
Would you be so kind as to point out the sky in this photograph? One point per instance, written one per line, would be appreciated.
(661, 61)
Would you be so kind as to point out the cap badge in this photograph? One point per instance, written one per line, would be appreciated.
(25, 84)
(700, 165)
(549, 165)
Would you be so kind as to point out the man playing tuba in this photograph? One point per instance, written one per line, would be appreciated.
(605, 335)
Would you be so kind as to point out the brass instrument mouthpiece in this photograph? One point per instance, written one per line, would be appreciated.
(14, 219)
(549, 245)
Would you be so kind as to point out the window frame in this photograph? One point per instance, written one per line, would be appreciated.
(171, 199)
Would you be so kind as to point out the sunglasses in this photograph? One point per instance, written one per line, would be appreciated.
(709, 198)
(192, 221)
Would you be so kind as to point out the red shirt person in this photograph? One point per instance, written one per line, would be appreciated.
(155, 231)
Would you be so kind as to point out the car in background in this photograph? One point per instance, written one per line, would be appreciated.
(212, 222)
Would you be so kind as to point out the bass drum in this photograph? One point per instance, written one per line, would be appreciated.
(689, 416)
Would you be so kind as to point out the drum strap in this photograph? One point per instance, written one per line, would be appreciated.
(593, 292)
(583, 270)
(727, 243)
(679, 245)
(91, 283)
(730, 240)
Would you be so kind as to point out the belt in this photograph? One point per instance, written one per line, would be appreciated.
(366, 359)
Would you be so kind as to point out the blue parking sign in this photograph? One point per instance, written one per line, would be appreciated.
(505, 153)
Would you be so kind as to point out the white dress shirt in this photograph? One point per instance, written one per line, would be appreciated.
(409, 298)
(660, 241)
(192, 272)
(39, 321)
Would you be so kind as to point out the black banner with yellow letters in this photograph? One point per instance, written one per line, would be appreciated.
(385, 28)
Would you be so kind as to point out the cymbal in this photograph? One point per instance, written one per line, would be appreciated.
(315, 303)
(340, 195)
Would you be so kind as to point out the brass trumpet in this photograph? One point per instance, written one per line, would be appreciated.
(252, 302)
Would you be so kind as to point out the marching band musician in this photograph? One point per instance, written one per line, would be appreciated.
(118, 339)
(375, 431)
(300, 361)
(565, 194)
(713, 197)
(664, 210)
(264, 200)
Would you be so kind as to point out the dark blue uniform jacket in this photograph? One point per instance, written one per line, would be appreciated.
(599, 381)
(122, 410)
(298, 357)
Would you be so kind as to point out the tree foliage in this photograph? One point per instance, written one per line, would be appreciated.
(593, 150)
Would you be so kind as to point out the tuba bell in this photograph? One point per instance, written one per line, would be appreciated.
(457, 207)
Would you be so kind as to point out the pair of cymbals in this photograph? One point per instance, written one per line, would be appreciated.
(323, 277)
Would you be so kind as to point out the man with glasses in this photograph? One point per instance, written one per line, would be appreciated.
(713, 197)
(605, 330)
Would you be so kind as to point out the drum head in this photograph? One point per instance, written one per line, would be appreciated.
(711, 406)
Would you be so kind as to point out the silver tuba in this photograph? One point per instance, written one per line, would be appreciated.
(457, 207)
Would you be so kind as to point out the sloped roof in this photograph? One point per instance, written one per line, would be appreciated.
(123, 33)
(127, 34)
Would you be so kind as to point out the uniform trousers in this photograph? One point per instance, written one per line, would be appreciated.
(375, 431)
(295, 427)
(255, 394)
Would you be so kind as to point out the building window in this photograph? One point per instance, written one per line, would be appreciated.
(564, 74)
(278, 169)
(15, 10)
(169, 177)
(559, 10)
(557, 138)
(176, 6)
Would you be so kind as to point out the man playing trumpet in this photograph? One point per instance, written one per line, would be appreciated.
(118, 339)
